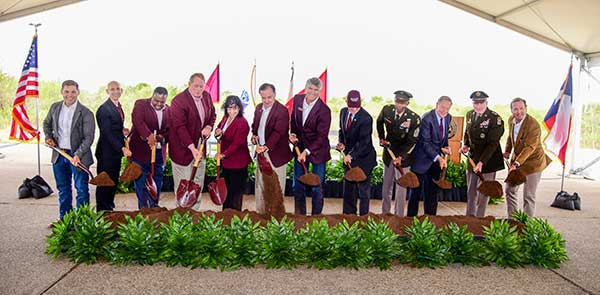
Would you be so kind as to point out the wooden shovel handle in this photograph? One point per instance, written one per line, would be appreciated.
(302, 163)
(200, 149)
(153, 149)
(473, 165)
(218, 153)
(391, 153)
(68, 157)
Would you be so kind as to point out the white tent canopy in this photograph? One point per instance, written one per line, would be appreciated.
(570, 25)
(11, 9)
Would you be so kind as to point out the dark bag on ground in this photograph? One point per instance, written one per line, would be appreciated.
(564, 200)
(39, 187)
(24, 190)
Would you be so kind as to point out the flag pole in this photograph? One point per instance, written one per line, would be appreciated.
(253, 83)
(291, 91)
(37, 114)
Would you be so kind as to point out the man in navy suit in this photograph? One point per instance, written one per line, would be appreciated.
(356, 129)
(309, 124)
(430, 151)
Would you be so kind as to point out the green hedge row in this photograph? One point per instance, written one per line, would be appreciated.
(84, 236)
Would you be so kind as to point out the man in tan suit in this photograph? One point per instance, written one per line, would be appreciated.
(524, 139)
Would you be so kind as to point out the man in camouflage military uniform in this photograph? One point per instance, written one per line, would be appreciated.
(402, 128)
(482, 138)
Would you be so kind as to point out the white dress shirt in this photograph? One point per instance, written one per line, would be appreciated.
(65, 121)
(306, 108)
(262, 125)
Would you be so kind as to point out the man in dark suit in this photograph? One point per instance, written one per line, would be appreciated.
(270, 130)
(310, 122)
(192, 114)
(70, 126)
(150, 119)
(483, 131)
(356, 128)
(430, 151)
(111, 144)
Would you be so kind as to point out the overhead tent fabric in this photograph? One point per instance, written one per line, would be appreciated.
(11, 9)
(570, 25)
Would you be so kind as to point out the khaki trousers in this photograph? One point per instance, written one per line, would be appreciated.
(390, 174)
(184, 172)
(530, 184)
(476, 202)
(258, 187)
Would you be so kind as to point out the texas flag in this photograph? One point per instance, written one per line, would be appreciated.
(558, 120)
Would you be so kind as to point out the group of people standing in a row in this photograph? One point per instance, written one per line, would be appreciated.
(417, 144)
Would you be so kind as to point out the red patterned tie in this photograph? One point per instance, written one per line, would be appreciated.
(349, 121)
(121, 111)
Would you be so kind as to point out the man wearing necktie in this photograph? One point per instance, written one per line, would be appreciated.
(398, 129)
(483, 131)
(354, 138)
(432, 146)
(111, 144)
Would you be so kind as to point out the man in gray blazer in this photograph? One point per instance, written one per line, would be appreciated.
(70, 126)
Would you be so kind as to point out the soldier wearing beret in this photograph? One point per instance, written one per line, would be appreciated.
(397, 129)
(482, 139)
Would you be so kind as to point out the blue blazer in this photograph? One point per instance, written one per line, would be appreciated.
(358, 140)
(111, 138)
(429, 143)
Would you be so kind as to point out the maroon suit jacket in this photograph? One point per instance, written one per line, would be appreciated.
(276, 132)
(185, 127)
(314, 135)
(234, 144)
(145, 122)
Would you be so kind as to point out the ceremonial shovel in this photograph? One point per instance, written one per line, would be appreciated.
(101, 180)
(490, 188)
(354, 174)
(132, 171)
(409, 180)
(309, 179)
(218, 189)
(442, 182)
(187, 190)
(150, 184)
(515, 177)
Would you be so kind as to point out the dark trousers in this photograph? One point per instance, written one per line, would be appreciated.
(63, 171)
(429, 191)
(299, 189)
(352, 190)
(105, 195)
(235, 179)
(144, 199)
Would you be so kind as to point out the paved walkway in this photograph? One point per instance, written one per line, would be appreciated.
(25, 269)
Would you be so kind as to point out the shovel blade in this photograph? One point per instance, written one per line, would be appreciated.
(102, 179)
(151, 187)
(490, 188)
(408, 180)
(218, 191)
(187, 193)
(131, 172)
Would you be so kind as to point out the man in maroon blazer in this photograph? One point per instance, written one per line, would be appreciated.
(192, 115)
(150, 127)
(310, 122)
(270, 130)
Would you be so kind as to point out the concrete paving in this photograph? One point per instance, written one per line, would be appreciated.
(25, 269)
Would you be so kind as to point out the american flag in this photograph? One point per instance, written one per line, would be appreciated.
(20, 126)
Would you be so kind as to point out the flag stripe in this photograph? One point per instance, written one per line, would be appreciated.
(558, 120)
(21, 127)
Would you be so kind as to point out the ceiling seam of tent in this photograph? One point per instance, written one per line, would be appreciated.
(16, 3)
(541, 17)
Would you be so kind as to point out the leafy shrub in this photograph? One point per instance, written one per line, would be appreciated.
(462, 247)
(382, 241)
(59, 241)
(91, 236)
(377, 173)
(280, 247)
(502, 244)
(138, 241)
(542, 245)
(424, 246)
(520, 216)
(348, 250)
(457, 173)
(334, 171)
(244, 238)
(178, 238)
(211, 244)
(316, 243)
